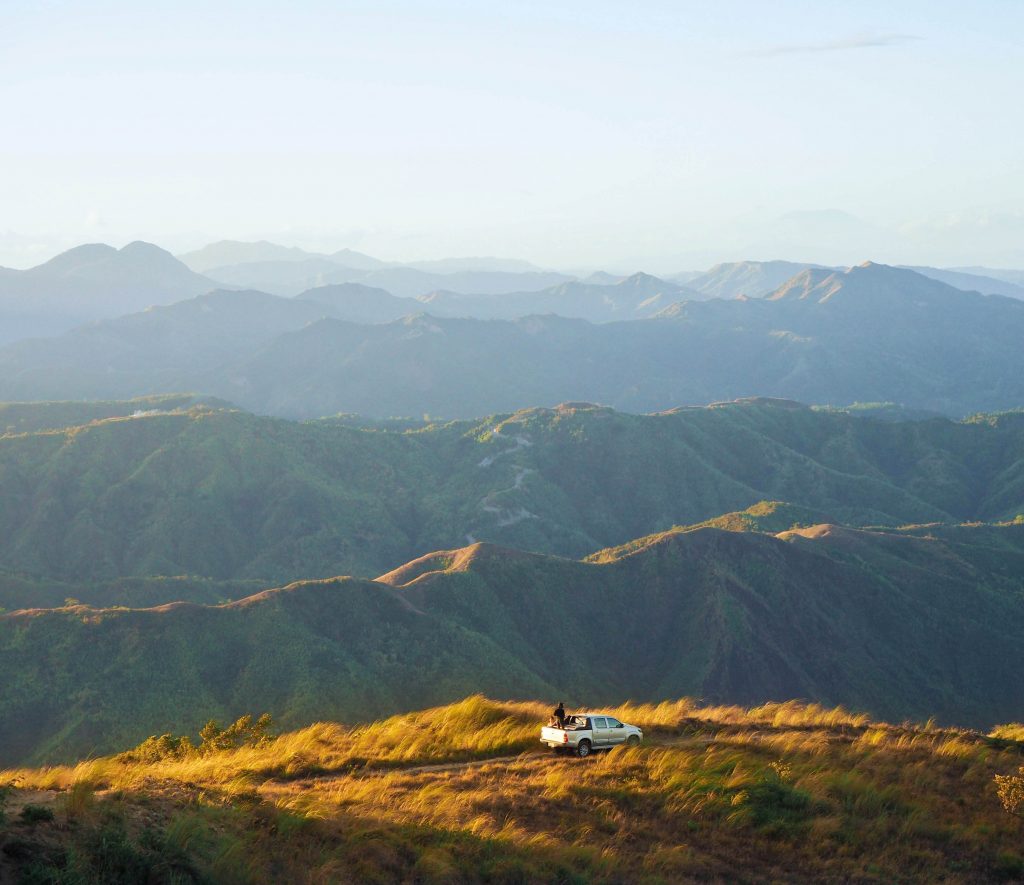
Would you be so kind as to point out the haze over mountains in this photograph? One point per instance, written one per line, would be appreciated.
(871, 333)
(289, 271)
(89, 283)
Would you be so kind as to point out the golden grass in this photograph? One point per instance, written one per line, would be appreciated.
(786, 791)
(1013, 731)
(474, 728)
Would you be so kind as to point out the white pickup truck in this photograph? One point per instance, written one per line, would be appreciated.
(585, 732)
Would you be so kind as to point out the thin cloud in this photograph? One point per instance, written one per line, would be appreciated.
(857, 41)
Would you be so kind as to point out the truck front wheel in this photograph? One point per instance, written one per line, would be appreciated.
(583, 748)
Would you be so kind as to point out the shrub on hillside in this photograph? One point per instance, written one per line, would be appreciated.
(243, 732)
(1010, 788)
(157, 748)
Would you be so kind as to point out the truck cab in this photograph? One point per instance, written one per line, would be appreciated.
(583, 733)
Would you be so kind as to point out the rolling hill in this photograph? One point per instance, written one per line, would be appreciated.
(172, 488)
(899, 623)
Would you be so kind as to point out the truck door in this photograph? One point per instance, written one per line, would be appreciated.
(616, 731)
(600, 731)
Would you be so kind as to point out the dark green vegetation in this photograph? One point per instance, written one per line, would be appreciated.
(901, 623)
(224, 496)
(870, 334)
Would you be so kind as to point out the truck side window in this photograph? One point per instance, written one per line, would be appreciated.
(614, 723)
(600, 722)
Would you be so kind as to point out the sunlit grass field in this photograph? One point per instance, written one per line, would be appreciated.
(782, 792)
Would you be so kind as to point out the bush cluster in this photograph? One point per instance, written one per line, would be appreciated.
(243, 732)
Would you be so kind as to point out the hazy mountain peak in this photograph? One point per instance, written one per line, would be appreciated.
(755, 279)
(602, 278)
(357, 260)
(643, 279)
(868, 282)
(105, 264)
(140, 253)
(228, 252)
(77, 256)
(803, 285)
(142, 246)
(96, 281)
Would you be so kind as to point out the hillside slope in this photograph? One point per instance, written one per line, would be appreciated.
(220, 494)
(897, 623)
(783, 792)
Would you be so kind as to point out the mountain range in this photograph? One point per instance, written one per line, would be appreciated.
(750, 279)
(757, 279)
(639, 296)
(96, 282)
(288, 271)
(975, 282)
(227, 253)
(871, 333)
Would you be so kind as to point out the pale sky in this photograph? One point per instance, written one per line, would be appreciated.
(663, 135)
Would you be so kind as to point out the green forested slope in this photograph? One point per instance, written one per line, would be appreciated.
(908, 623)
(224, 495)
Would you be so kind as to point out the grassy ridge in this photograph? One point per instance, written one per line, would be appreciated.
(911, 623)
(783, 792)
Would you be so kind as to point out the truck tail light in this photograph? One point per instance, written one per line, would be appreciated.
(565, 738)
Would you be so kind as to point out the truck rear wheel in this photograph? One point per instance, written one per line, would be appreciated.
(583, 748)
